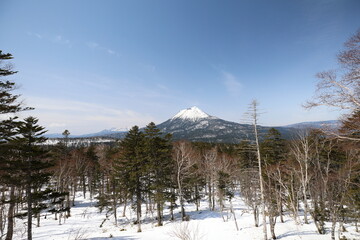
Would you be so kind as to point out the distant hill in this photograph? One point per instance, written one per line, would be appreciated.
(332, 124)
(113, 132)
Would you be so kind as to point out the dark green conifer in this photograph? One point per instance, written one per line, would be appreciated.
(158, 155)
(33, 166)
(132, 168)
(9, 103)
(273, 147)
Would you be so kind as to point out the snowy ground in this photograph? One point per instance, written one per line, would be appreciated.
(86, 220)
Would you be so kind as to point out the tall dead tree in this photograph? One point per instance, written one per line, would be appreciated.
(254, 116)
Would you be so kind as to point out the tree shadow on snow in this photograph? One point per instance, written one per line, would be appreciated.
(115, 238)
(296, 233)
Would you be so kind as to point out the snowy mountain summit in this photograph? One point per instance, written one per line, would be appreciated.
(192, 114)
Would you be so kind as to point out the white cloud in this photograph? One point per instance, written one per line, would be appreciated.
(233, 86)
(94, 45)
(162, 87)
(52, 125)
(39, 36)
(61, 40)
(82, 117)
(58, 39)
(149, 67)
(111, 51)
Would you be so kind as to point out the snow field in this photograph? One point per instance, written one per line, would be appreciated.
(85, 222)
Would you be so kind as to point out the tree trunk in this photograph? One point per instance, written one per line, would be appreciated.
(306, 207)
(341, 228)
(183, 215)
(197, 197)
(281, 211)
(115, 195)
(138, 206)
(138, 214)
(115, 210)
(260, 174)
(2, 219)
(256, 216)
(90, 187)
(210, 195)
(159, 215)
(84, 185)
(213, 197)
(272, 222)
(2, 214)
(29, 213)
(68, 204)
(172, 204)
(38, 219)
(29, 201)
(60, 216)
(233, 212)
(10, 225)
(333, 226)
(74, 194)
(124, 210)
(172, 211)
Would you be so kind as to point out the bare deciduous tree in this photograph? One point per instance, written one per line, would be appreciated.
(340, 89)
(210, 157)
(184, 156)
(300, 149)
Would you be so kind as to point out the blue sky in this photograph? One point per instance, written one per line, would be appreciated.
(91, 65)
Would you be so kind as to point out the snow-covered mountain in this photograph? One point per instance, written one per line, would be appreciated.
(192, 114)
(195, 125)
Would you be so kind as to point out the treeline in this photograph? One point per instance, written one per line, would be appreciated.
(312, 177)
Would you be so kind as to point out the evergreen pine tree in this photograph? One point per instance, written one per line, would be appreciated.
(8, 104)
(33, 166)
(273, 150)
(132, 168)
(273, 147)
(8, 101)
(93, 169)
(158, 154)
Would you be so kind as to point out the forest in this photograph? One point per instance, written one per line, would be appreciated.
(313, 178)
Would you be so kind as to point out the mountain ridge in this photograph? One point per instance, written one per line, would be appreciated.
(195, 125)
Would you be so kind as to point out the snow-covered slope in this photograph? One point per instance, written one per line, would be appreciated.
(195, 125)
(192, 114)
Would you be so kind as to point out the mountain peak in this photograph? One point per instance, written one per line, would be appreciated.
(192, 114)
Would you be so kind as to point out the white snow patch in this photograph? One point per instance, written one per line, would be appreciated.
(193, 114)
